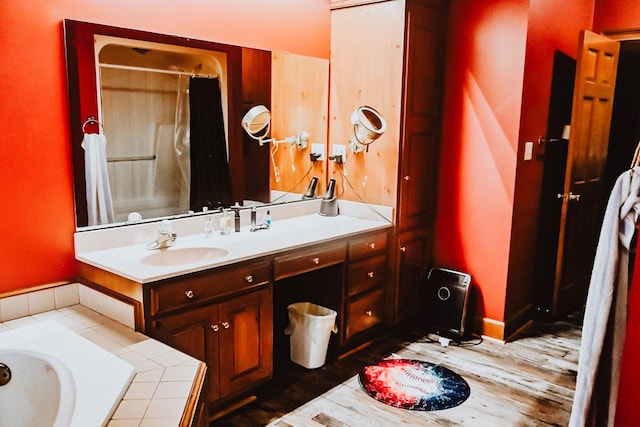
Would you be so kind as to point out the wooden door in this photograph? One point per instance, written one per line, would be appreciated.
(246, 341)
(583, 198)
(194, 332)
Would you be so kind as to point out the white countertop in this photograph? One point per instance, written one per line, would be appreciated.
(284, 234)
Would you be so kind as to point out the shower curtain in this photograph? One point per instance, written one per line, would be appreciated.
(181, 142)
(210, 179)
(99, 203)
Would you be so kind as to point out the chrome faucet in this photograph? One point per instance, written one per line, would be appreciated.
(165, 237)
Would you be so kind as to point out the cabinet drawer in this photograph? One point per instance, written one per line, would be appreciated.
(308, 260)
(365, 312)
(206, 286)
(367, 245)
(366, 274)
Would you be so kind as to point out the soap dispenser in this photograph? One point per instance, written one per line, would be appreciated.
(329, 203)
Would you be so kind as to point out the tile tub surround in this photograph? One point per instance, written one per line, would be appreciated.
(164, 377)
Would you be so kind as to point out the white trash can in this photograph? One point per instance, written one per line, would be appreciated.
(310, 328)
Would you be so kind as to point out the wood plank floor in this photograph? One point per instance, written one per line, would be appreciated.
(526, 382)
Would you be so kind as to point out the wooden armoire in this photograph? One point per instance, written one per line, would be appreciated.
(390, 55)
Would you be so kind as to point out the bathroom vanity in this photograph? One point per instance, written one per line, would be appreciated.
(230, 309)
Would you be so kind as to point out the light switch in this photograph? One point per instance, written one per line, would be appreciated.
(528, 150)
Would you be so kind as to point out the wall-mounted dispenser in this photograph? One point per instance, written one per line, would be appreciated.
(329, 203)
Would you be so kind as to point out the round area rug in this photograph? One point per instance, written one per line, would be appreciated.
(414, 384)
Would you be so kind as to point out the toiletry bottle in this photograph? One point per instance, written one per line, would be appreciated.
(254, 213)
(208, 227)
(237, 220)
(268, 219)
(224, 223)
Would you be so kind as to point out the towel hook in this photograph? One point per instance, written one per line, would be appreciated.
(91, 121)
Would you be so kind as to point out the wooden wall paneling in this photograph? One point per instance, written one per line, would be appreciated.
(366, 69)
(299, 102)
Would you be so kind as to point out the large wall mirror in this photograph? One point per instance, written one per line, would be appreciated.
(139, 95)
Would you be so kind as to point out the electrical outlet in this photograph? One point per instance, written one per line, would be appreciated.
(339, 150)
(318, 148)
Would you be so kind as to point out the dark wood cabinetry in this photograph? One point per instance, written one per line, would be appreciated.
(365, 288)
(406, 40)
(233, 317)
(222, 317)
(423, 83)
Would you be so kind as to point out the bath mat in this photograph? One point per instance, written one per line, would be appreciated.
(414, 384)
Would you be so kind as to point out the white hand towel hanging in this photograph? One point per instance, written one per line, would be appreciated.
(99, 203)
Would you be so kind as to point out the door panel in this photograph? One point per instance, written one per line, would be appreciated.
(193, 332)
(246, 335)
(583, 198)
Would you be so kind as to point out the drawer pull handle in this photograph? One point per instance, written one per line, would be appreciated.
(189, 294)
(372, 245)
(403, 249)
(370, 274)
(406, 178)
(316, 260)
(369, 313)
(249, 278)
(225, 325)
(215, 328)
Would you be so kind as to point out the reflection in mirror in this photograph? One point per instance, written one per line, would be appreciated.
(135, 83)
(144, 92)
(257, 123)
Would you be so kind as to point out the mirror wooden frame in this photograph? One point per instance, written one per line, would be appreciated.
(250, 84)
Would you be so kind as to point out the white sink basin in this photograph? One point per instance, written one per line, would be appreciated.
(39, 390)
(183, 256)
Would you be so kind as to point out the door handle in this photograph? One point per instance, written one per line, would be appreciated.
(569, 196)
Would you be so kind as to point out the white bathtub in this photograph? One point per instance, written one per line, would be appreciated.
(90, 381)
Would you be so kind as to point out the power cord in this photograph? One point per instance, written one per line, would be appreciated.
(446, 342)
(345, 179)
(305, 176)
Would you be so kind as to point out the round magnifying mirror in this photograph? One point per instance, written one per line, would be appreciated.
(368, 125)
(257, 122)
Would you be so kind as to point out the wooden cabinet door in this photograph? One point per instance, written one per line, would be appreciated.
(194, 332)
(414, 252)
(246, 341)
(421, 114)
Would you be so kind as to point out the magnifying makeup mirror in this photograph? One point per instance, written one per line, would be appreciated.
(368, 125)
(257, 123)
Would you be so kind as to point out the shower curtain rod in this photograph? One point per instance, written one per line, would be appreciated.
(156, 70)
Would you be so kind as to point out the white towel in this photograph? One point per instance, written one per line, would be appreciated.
(99, 203)
(605, 317)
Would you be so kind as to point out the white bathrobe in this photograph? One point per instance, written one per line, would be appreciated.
(605, 317)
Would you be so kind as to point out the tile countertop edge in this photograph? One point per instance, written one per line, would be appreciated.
(191, 408)
(102, 331)
(121, 262)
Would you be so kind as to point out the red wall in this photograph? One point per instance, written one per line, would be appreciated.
(36, 200)
(552, 26)
(483, 91)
